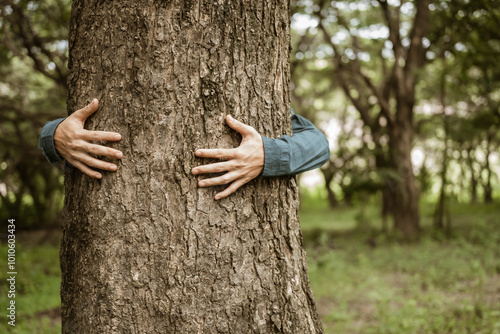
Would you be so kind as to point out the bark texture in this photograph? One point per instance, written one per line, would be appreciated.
(144, 249)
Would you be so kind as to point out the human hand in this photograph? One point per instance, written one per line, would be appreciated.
(243, 163)
(74, 143)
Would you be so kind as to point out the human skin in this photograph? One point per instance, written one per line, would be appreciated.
(74, 143)
(241, 164)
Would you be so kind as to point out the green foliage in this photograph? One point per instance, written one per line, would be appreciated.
(33, 53)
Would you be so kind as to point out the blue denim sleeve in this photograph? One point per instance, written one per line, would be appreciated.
(305, 150)
(46, 141)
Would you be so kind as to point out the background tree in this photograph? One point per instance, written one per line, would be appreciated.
(384, 93)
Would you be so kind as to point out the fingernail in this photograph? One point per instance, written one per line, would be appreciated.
(118, 137)
(202, 183)
(217, 197)
(118, 155)
(114, 167)
(194, 171)
(98, 176)
(197, 152)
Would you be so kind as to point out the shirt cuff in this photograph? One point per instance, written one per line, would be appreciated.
(276, 157)
(46, 141)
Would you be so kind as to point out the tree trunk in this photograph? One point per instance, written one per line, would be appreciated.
(145, 250)
(488, 194)
(441, 207)
(328, 176)
(399, 83)
(473, 180)
(405, 193)
(387, 205)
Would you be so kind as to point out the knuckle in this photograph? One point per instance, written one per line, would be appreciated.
(80, 134)
(93, 150)
(90, 162)
(73, 145)
(238, 155)
(72, 155)
(99, 151)
(239, 165)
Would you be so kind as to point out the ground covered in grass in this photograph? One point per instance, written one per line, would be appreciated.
(367, 282)
(363, 281)
(38, 281)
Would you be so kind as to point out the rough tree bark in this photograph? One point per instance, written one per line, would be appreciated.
(145, 250)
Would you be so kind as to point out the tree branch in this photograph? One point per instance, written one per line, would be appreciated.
(416, 51)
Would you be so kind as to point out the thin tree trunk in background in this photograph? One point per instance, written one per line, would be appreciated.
(328, 176)
(473, 179)
(145, 250)
(387, 207)
(488, 195)
(441, 207)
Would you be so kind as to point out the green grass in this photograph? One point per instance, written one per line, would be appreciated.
(366, 282)
(363, 281)
(37, 289)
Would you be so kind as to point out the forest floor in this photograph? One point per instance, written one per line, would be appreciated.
(369, 282)
(363, 281)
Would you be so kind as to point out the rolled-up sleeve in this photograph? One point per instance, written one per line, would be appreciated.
(46, 141)
(305, 150)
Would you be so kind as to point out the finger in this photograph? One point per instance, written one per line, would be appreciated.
(218, 153)
(215, 181)
(231, 189)
(100, 135)
(242, 128)
(93, 162)
(86, 170)
(212, 168)
(85, 112)
(103, 151)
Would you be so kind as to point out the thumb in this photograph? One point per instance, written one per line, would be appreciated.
(242, 128)
(85, 112)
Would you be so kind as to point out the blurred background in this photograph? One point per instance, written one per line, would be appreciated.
(401, 227)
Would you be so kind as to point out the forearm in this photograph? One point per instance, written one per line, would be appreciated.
(46, 141)
(305, 150)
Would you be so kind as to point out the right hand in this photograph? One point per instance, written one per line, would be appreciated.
(74, 143)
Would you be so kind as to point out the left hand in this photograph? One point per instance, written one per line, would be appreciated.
(242, 164)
